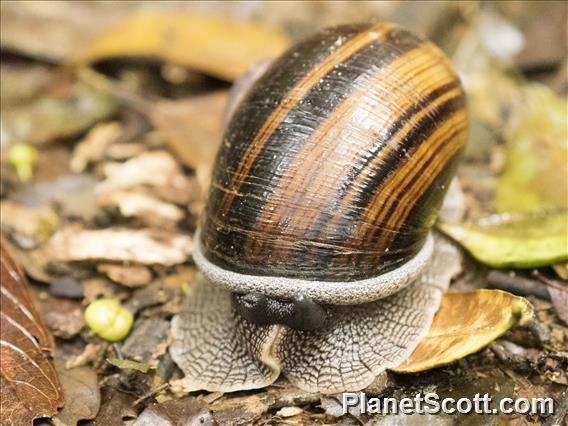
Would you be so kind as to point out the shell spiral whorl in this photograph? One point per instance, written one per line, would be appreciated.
(334, 166)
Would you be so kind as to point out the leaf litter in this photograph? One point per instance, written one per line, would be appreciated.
(30, 385)
(125, 233)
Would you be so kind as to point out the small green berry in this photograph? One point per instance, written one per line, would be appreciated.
(109, 319)
(23, 157)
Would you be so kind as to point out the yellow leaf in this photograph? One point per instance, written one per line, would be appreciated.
(213, 45)
(562, 270)
(515, 241)
(465, 323)
(534, 177)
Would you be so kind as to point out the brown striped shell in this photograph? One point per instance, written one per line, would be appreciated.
(335, 164)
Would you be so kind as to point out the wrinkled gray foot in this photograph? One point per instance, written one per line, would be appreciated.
(219, 350)
(216, 349)
(361, 343)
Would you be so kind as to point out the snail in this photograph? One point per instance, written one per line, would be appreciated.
(316, 243)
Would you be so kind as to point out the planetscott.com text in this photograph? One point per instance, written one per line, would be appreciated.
(432, 403)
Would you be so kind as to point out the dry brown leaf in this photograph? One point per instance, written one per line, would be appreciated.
(99, 287)
(145, 207)
(130, 276)
(31, 226)
(81, 391)
(29, 384)
(147, 342)
(186, 411)
(92, 354)
(116, 406)
(559, 297)
(156, 169)
(144, 246)
(93, 146)
(217, 46)
(465, 323)
(193, 128)
(55, 31)
(238, 410)
(63, 317)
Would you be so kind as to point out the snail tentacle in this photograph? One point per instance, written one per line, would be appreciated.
(299, 313)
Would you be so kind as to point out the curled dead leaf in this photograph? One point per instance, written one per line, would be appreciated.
(93, 146)
(154, 169)
(29, 384)
(465, 323)
(217, 46)
(82, 391)
(31, 226)
(143, 206)
(143, 246)
(193, 128)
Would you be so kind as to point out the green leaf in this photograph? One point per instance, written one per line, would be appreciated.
(535, 177)
(519, 241)
(127, 363)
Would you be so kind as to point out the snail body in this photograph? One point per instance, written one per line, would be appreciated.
(329, 178)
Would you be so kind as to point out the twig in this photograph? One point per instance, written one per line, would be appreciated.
(539, 331)
(557, 419)
(150, 393)
(548, 281)
(517, 285)
(114, 88)
(117, 351)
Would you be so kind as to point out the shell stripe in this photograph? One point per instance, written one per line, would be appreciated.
(320, 149)
(439, 144)
(384, 212)
(290, 101)
(387, 236)
(412, 178)
(387, 193)
(423, 181)
(396, 135)
(364, 161)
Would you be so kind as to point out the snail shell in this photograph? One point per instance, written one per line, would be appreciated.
(333, 168)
